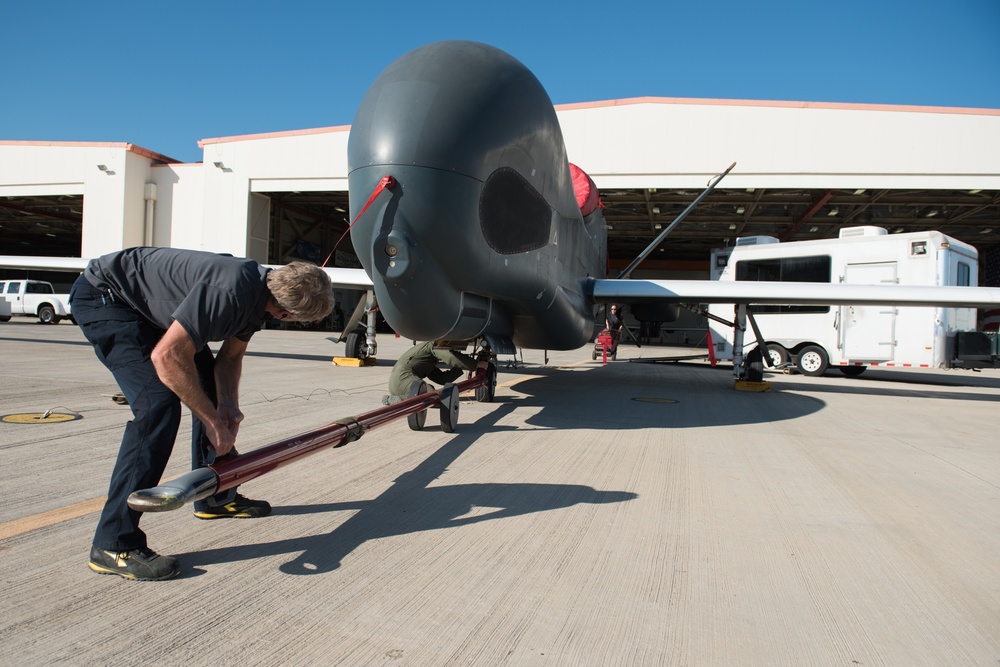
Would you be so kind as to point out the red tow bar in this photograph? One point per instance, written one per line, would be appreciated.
(204, 482)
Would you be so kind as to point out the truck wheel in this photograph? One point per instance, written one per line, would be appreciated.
(812, 360)
(5, 319)
(852, 371)
(47, 315)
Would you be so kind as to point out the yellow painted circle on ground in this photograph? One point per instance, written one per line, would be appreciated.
(39, 418)
(642, 399)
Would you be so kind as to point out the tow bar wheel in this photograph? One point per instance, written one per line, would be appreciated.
(449, 407)
(416, 420)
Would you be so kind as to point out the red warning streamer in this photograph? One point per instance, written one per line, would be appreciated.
(387, 183)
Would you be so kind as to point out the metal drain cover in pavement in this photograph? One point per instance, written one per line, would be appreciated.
(39, 418)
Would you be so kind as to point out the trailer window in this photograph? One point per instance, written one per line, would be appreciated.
(788, 270)
(964, 271)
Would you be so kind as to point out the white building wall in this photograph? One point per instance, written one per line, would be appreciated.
(666, 143)
(312, 161)
(180, 200)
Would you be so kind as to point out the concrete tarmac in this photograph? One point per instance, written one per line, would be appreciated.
(622, 514)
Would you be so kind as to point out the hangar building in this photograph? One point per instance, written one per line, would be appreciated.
(804, 171)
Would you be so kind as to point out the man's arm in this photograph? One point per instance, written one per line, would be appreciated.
(173, 358)
(456, 359)
(228, 369)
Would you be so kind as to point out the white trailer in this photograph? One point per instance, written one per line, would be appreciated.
(852, 338)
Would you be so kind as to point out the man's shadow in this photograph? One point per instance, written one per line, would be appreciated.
(410, 505)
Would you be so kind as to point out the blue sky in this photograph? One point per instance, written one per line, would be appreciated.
(164, 75)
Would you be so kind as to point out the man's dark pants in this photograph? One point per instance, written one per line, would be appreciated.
(123, 341)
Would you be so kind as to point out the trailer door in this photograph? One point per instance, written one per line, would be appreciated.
(867, 333)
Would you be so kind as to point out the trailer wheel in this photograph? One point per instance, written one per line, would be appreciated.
(812, 360)
(47, 315)
(778, 355)
(416, 421)
(852, 371)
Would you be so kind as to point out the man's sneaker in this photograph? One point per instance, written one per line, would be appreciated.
(239, 508)
(138, 564)
(389, 399)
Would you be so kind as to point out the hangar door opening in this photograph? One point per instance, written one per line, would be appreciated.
(303, 225)
(49, 225)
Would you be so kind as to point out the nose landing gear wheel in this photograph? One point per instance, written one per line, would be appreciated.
(486, 392)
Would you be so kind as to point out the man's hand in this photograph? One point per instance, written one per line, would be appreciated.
(223, 440)
(173, 358)
(231, 416)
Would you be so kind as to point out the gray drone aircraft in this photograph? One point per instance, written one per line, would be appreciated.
(468, 222)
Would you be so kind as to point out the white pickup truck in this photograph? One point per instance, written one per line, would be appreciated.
(35, 298)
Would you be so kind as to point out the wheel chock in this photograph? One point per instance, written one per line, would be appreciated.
(747, 385)
(352, 361)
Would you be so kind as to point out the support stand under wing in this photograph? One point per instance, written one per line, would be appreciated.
(746, 367)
